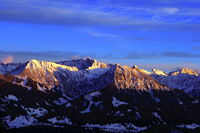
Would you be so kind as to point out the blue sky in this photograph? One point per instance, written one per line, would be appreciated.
(162, 34)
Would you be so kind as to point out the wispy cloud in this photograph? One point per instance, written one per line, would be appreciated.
(25, 56)
(180, 55)
(95, 33)
(81, 15)
(171, 10)
(168, 67)
(158, 55)
(8, 59)
(195, 40)
(141, 56)
(64, 16)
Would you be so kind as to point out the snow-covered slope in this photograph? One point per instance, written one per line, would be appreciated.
(76, 83)
(184, 79)
(186, 82)
(12, 68)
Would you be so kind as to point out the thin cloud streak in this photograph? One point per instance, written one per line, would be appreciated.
(25, 56)
(180, 55)
(94, 33)
(81, 17)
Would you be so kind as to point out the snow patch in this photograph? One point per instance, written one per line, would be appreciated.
(95, 73)
(156, 99)
(48, 124)
(181, 103)
(89, 97)
(135, 128)
(118, 113)
(190, 126)
(39, 87)
(36, 112)
(87, 110)
(117, 103)
(155, 114)
(195, 101)
(68, 105)
(12, 98)
(138, 116)
(48, 104)
(64, 120)
(23, 82)
(60, 101)
(129, 110)
(20, 121)
(116, 127)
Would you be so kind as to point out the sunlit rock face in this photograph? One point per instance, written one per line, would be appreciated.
(184, 71)
(43, 72)
(133, 78)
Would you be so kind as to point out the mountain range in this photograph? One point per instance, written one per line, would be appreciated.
(99, 97)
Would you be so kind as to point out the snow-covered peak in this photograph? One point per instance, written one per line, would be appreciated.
(85, 63)
(50, 66)
(135, 66)
(97, 64)
(158, 72)
(197, 71)
(43, 72)
(184, 71)
(154, 72)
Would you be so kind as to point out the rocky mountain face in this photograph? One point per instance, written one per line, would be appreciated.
(12, 68)
(183, 79)
(184, 71)
(92, 95)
